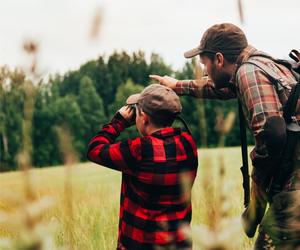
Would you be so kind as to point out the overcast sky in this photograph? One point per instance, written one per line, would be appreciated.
(167, 27)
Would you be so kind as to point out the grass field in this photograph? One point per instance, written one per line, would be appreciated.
(217, 198)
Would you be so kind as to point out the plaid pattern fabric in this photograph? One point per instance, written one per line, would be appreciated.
(260, 98)
(158, 172)
(203, 88)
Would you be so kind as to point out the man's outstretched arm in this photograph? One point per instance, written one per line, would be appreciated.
(200, 88)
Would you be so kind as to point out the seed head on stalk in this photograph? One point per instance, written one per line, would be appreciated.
(26, 218)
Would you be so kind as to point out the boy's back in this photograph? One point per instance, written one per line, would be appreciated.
(158, 171)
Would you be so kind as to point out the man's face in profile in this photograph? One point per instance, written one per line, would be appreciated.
(215, 71)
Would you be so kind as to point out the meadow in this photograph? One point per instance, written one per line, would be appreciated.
(217, 200)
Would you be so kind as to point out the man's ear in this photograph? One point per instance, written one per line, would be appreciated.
(219, 60)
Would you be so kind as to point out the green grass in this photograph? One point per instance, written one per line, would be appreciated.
(96, 191)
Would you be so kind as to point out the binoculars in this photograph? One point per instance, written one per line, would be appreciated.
(133, 108)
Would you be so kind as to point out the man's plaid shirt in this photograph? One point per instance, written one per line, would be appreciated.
(257, 94)
(158, 172)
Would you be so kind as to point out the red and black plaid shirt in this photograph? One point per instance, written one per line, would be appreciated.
(158, 172)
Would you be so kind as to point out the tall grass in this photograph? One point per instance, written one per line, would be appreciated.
(95, 201)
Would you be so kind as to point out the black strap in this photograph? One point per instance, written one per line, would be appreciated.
(271, 74)
(245, 166)
(184, 123)
(289, 109)
(295, 55)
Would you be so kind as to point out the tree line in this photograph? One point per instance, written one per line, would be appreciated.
(83, 100)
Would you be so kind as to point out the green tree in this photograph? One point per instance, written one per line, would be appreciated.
(68, 116)
(91, 106)
(117, 73)
(45, 143)
(83, 100)
(157, 66)
(12, 112)
(122, 94)
(138, 68)
(70, 83)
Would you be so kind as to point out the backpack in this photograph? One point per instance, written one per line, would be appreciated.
(284, 167)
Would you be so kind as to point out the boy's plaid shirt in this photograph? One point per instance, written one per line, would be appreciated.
(259, 98)
(158, 172)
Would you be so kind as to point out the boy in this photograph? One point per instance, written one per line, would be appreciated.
(158, 171)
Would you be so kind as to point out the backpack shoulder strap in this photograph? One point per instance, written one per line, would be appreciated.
(290, 107)
(274, 77)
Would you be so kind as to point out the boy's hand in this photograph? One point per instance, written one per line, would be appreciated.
(128, 114)
(165, 80)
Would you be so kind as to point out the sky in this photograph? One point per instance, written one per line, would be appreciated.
(167, 27)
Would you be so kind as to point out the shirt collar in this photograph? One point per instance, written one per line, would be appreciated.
(166, 132)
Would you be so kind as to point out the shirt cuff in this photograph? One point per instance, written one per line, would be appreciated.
(119, 122)
(183, 87)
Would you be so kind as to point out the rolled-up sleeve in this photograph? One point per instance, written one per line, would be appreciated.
(203, 88)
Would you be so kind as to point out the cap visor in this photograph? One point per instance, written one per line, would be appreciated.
(133, 99)
(191, 53)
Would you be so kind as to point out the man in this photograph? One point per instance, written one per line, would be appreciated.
(158, 171)
(224, 50)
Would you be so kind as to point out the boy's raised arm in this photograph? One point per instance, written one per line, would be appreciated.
(121, 156)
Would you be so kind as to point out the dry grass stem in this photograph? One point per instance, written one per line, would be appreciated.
(221, 229)
(198, 72)
(70, 158)
(240, 10)
(31, 49)
(27, 216)
(96, 24)
(223, 125)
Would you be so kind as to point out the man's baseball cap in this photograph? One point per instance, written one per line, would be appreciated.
(157, 101)
(225, 38)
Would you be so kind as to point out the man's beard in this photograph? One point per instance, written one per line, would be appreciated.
(220, 79)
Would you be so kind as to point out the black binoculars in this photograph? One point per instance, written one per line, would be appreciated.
(133, 108)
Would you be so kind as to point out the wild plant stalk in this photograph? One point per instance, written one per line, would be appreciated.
(4, 144)
(24, 158)
(70, 157)
(221, 231)
(27, 217)
(223, 125)
(69, 154)
(96, 24)
(240, 10)
(198, 72)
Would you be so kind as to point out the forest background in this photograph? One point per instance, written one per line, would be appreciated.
(83, 100)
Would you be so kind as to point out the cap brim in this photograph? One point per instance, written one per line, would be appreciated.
(133, 99)
(193, 52)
